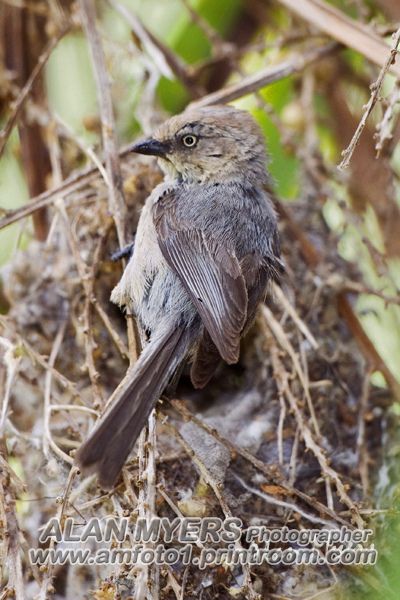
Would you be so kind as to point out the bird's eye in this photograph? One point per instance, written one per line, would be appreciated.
(189, 141)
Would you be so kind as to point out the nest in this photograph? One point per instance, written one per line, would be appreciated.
(285, 438)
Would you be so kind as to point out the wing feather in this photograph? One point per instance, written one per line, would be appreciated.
(210, 273)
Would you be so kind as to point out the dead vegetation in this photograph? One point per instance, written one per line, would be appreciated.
(290, 436)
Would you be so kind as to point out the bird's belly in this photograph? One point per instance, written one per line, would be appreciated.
(148, 285)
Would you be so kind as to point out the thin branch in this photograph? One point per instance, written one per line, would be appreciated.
(375, 91)
(146, 503)
(67, 131)
(48, 573)
(10, 489)
(282, 380)
(119, 343)
(348, 285)
(116, 193)
(113, 167)
(11, 361)
(23, 95)
(86, 275)
(291, 310)
(362, 449)
(167, 62)
(296, 64)
(218, 44)
(285, 344)
(385, 128)
(366, 346)
(69, 185)
(342, 28)
(283, 503)
(47, 437)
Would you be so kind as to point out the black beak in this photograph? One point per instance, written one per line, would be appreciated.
(152, 147)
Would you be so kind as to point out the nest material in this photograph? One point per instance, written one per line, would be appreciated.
(282, 425)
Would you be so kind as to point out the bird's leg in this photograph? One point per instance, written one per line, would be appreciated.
(125, 252)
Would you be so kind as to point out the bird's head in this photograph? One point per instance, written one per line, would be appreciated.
(209, 145)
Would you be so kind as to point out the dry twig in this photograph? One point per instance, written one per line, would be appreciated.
(116, 193)
(296, 64)
(282, 379)
(375, 91)
(24, 94)
(385, 127)
(345, 30)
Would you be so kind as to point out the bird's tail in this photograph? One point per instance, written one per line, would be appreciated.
(110, 443)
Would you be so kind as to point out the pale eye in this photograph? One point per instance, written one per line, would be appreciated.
(189, 140)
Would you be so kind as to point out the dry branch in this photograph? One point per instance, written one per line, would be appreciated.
(167, 62)
(367, 347)
(282, 379)
(385, 128)
(70, 185)
(375, 91)
(24, 94)
(116, 193)
(296, 64)
(10, 488)
(342, 28)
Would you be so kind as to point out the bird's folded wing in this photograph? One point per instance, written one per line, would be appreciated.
(210, 273)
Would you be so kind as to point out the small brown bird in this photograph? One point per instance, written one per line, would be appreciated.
(206, 247)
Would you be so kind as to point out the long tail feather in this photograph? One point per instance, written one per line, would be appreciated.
(109, 445)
